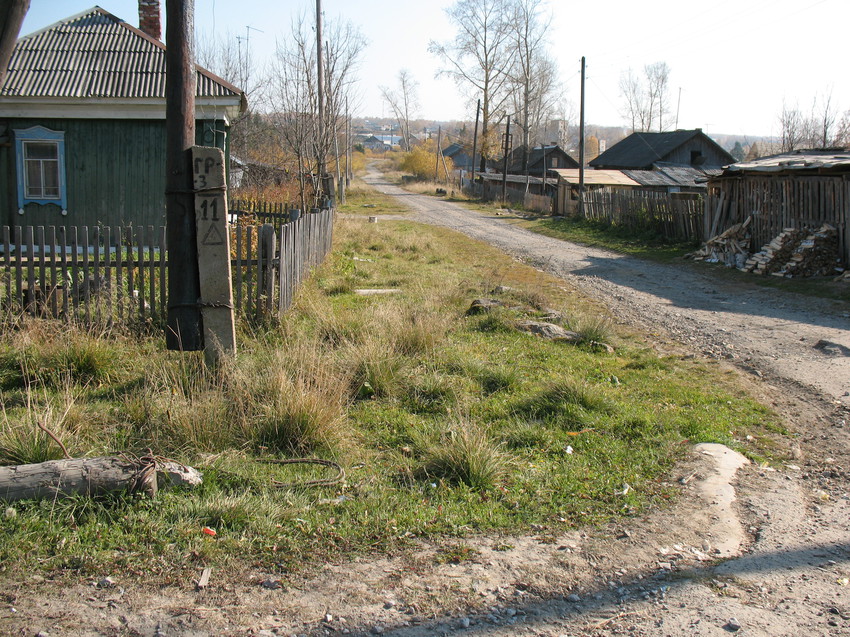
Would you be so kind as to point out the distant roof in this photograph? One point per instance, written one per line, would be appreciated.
(801, 160)
(96, 55)
(455, 148)
(595, 177)
(642, 150)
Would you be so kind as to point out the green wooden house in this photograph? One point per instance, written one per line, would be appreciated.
(82, 124)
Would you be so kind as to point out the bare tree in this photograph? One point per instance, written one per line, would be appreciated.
(403, 103)
(658, 80)
(293, 99)
(533, 77)
(232, 61)
(479, 59)
(646, 99)
(631, 91)
(791, 128)
(842, 131)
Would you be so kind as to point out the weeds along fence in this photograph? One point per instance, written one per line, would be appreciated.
(528, 201)
(100, 275)
(668, 215)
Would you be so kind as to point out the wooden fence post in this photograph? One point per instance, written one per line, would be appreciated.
(267, 250)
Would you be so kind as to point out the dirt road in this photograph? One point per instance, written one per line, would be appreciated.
(746, 550)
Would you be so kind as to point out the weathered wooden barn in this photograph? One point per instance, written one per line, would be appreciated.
(82, 124)
(803, 189)
(642, 151)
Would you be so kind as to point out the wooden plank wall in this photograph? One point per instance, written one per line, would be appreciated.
(776, 202)
(667, 215)
(105, 275)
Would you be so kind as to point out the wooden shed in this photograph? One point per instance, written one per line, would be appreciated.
(82, 124)
(566, 201)
(803, 189)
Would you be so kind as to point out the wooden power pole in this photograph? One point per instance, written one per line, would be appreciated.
(581, 146)
(505, 162)
(184, 314)
(12, 14)
(320, 88)
(475, 140)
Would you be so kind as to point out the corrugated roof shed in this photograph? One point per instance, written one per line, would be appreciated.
(95, 54)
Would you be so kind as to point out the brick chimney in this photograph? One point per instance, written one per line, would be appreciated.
(149, 19)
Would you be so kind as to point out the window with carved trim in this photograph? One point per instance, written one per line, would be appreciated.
(41, 167)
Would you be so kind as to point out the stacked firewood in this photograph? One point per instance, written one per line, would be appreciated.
(774, 255)
(816, 255)
(798, 252)
(731, 246)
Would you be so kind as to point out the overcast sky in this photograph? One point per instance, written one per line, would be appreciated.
(734, 61)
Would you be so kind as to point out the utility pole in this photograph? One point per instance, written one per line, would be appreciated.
(475, 140)
(320, 88)
(12, 13)
(347, 149)
(437, 154)
(581, 147)
(505, 161)
(678, 104)
(183, 331)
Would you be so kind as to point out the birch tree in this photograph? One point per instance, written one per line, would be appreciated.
(646, 100)
(479, 59)
(534, 74)
(403, 102)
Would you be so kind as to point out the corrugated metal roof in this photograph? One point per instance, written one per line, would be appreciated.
(94, 54)
(797, 161)
(666, 175)
(595, 177)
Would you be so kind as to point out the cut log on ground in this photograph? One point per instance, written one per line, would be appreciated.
(92, 476)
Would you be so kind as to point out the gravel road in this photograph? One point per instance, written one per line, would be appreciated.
(801, 339)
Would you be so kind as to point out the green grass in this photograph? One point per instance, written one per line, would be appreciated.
(447, 424)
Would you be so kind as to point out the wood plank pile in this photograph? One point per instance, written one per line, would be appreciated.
(731, 246)
(798, 252)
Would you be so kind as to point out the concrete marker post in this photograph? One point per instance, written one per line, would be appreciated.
(213, 240)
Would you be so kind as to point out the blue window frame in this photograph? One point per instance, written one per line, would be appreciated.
(40, 158)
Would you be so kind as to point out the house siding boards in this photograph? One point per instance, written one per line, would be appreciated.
(101, 83)
(115, 172)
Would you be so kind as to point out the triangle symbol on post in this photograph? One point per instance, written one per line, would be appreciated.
(213, 237)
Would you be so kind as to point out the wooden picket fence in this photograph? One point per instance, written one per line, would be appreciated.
(529, 201)
(102, 275)
(671, 216)
(259, 212)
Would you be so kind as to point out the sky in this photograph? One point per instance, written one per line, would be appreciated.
(733, 62)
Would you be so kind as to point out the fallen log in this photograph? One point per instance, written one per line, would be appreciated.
(93, 476)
